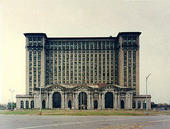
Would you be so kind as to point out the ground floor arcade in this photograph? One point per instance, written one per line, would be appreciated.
(84, 97)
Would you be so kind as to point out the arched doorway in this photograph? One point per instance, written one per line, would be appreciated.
(109, 100)
(56, 100)
(43, 104)
(32, 104)
(122, 104)
(95, 104)
(69, 104)
(82, 100)
(27, 105)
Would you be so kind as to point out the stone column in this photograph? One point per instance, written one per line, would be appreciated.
(115, 100)
(126, 101)
(73, 107)
(47, 100)
(136, 104)
(103, 101)
(118, 101)
(99, 101)
(62, 100)
(66, 101)
(50, 101)
(88, 101)
(141, 104)
(92, 101)
(76, 100)
(131, 101)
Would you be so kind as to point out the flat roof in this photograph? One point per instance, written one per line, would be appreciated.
(129, 33)
(80, 38)
(36, 34)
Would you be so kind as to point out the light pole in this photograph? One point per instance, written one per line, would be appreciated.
(12, 91)
(147, 94)
(40, 102)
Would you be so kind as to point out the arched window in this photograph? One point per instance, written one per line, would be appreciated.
(32, 104)
(134, 105)
(27, 105)
(22, 104)
(56, 100)
(122, 104)
(69, 104)
(95, 104)
(109, 100)
(139, 104)
(82, 100)
(43, 104)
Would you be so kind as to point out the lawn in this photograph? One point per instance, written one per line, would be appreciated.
(85, 112)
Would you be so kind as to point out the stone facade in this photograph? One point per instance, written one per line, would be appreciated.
(82, 72)
(84, 97)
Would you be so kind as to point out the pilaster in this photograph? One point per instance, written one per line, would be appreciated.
(92, 101)
(118, 101)
(50, 101)
(103, 101)
(88, 101)
(136, 104)
(141, 104)
(66, 101)
(76, 100)
(115, 101)
(62, 100)
(100, 101)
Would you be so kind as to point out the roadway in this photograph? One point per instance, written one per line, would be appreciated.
(84, 122)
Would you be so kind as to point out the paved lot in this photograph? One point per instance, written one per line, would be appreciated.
(84, 122)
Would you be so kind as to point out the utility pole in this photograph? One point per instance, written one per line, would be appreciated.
(40, 102)
(147, 94)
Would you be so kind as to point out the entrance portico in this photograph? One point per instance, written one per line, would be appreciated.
(86, 97)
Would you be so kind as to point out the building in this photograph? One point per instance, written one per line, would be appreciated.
(82, 72)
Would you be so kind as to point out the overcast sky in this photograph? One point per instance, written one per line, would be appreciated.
(86, 18)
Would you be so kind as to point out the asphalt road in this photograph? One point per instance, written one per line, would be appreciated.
(84, 122)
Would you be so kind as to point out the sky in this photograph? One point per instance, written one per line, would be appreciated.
(60, 18)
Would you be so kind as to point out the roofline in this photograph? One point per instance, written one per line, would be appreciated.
(73, 38)
(35, 34)
(128, 33)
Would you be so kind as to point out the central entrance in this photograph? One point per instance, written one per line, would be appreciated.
(109, 100)
(82, 101)
(56, 100)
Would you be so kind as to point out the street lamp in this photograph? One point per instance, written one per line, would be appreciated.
(40, 102)
(147, 94)
(12, 91)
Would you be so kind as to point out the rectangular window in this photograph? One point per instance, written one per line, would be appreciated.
(91, 68)
(34, 67)
(39, 68)
(129, 68)
(134, 69)
(125, 68)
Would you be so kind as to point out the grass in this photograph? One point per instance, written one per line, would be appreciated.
(85, 112)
